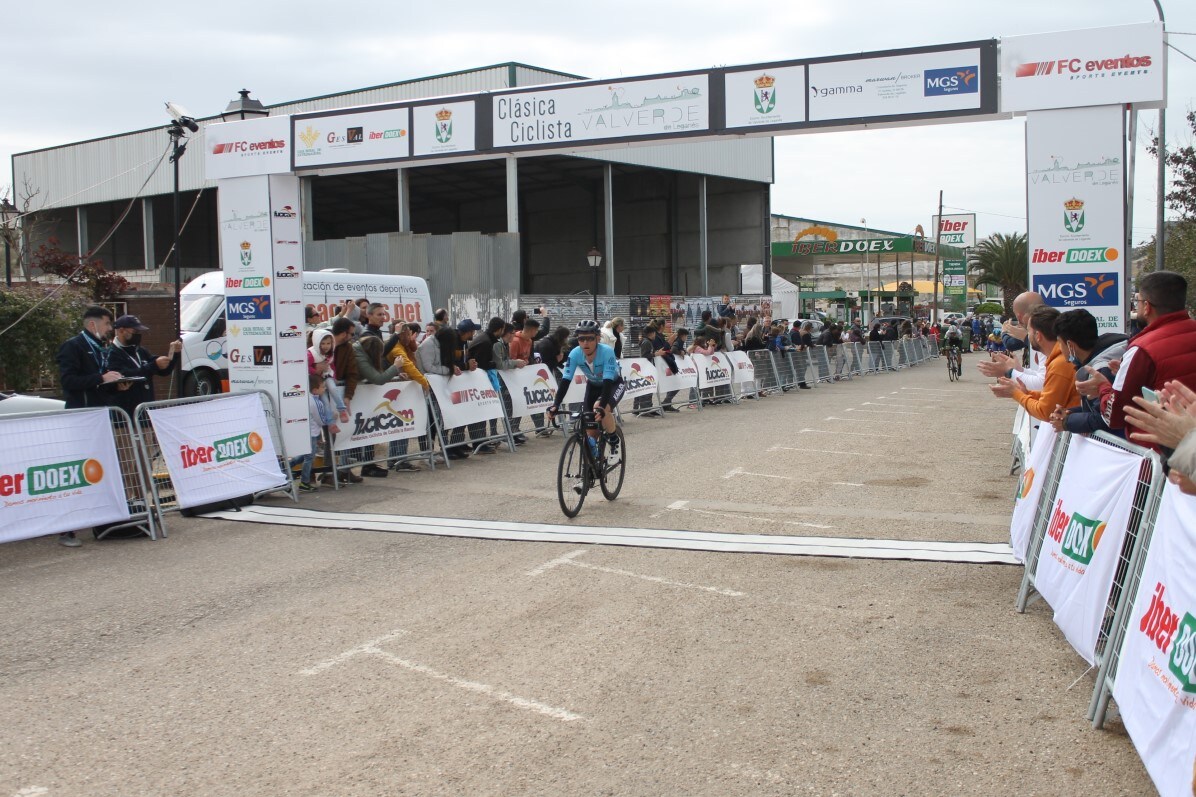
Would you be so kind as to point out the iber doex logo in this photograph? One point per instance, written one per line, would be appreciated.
(241, 446)
(1078, 537)
(55, 478)
(1163, 627)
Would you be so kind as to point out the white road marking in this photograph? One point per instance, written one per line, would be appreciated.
(367, 647)
(770, 520)
(881, 412)
(741, 472)
(46, 563)
(871, 420)
(32, 791)
(482, 689)
(560, 560)
(820, 451)
(371, 649)
(933, 390)
(677, 505)
(857, 434)
(874, 404)
(658, 580)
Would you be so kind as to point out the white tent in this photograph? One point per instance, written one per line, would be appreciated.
(784, 292)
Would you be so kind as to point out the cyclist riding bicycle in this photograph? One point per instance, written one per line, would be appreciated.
(604, 383)
(954, 337)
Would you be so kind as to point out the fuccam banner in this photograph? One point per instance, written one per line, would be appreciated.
(532, 389)
(381, 413)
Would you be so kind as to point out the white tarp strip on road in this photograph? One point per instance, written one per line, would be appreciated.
(931, 551)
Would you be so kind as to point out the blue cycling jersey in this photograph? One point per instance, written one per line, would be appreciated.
(606, 365)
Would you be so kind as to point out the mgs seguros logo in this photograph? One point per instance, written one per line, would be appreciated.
(1174, 637)
(248, 308)
(953, 80)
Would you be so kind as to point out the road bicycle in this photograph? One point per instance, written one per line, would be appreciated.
(954, 362)
(581, 466)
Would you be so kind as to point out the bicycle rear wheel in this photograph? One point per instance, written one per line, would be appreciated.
(612, 473)
(572, 477)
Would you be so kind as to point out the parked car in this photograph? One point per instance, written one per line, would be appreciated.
(11, 403)
(952, 318)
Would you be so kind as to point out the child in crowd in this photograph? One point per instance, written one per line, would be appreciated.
(319, 417)
(319, 362)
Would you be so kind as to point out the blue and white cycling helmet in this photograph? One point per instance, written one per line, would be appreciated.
(586, 327)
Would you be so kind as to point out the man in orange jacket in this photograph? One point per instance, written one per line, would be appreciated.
(1059, 387)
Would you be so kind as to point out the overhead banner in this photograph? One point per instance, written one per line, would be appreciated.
(762, 97)
(958, 229)
(532, 389)
(897, 85)
(1075, 196)
(466, 398)
(745, 372)
(1155, 688)
(217, 449)
(381, 413)
(1099, 66)
(248, 148)
(639, 377)
(714, 370)
(340, 137)
(1082, 544)
(1029, 490)
(60, 473)
(686, 376)
(611, 109)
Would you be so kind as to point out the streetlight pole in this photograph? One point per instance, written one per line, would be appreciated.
(594, 257)
(1160, 231)
(863, 269)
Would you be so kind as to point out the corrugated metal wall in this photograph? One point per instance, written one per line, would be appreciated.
(741, 158)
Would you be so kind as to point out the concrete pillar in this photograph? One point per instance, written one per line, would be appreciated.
(703, 231)
(81, 229)
(404, 189)
(512, 194)
(147, 232)
(608, 217)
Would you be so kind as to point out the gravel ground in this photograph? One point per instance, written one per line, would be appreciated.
(239, 659)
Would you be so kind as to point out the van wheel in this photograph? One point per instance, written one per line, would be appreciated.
(200, 383)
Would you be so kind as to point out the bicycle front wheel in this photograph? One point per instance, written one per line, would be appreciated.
(612, 472)
(572, 477)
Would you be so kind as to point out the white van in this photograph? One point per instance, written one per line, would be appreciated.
(205, 365)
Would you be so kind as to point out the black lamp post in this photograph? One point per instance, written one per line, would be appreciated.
(243, 108)
(595, 259)
(8, 214)
(178, 146)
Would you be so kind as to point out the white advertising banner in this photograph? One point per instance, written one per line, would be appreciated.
(1075, 193)
(60, 473)
(1155, 687)
(713, 370)
(745, 371)
(248, 148)
(532, 389)
(444, 129)
(1029, 489)
(595, 111)
(218, 449)
(1097, 66)
(381, 413)
(466, 398)
(1082, 544)
(947, 80)
(685, 378)
(290, 354)
(766, 96)
(357, 137)
(958, 229)
(577, 389)
(639, 377)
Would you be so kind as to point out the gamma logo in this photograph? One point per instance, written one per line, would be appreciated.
(954, 80)
(1175, 638)
(765, 94)
(1078, 537)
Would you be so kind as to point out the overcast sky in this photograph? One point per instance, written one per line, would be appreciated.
(78, 70)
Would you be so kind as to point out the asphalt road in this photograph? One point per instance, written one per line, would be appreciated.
(239, 659)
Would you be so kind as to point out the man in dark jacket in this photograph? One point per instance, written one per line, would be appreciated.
(83, 362)
(1088, 352)
(131, 359)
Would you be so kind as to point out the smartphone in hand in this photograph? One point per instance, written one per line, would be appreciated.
(1150, 395)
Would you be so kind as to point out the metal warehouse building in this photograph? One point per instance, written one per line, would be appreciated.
(669, 219)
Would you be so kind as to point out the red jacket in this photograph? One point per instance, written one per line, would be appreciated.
(1163, 352)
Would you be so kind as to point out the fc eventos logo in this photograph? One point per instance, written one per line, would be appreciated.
(765, 94)
(248, 308)
(1078, 290)
(954, 80)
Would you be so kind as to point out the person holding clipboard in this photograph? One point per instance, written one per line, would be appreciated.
(136, 365)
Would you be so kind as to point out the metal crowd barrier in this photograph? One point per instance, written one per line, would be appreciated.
(888, 355)
(786, 362)
(768, 377)
(162, 487)
(1042, 517)
(496, 430)
(855, 358)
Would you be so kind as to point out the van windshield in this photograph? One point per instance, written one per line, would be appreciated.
(197, 310)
